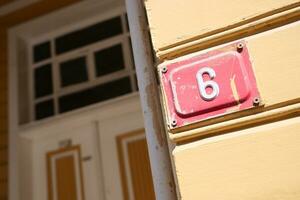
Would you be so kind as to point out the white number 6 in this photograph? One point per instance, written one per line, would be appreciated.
(207, 84)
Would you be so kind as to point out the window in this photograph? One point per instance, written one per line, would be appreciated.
(81, 67)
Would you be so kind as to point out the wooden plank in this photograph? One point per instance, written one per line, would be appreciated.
(174, 21)
(277, 85)
(3, 155)
(256, 163)
(4, 85)
(136, 151)
(3, 139)
(3, 197)
(3, 106)
(140, 170)
(3, 99)
(121, 157)
(3, 131)
(66, 178)
(3, 125)
(66, 175)
(3, 172)
(3, 189)
(4, 2)
(275, 59)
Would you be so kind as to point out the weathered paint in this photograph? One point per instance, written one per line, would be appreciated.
(277, 85)
(161, 169)
(234, 81)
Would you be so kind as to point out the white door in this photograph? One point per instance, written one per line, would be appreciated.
(52, 171)
(101, 153)
(126, 165)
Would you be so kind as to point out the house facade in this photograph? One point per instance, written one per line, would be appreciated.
(74, 123)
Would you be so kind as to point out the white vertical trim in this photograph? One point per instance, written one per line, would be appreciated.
(30, 75)
(161, 166)
(101, 172)
(55, 76)
(91, 66)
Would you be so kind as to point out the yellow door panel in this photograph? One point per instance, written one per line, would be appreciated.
(65, 174)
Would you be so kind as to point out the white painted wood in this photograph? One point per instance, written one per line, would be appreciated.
(109, 130)
(84, 135)
(86, 51)
(161, 168)
(95, 131)
(38, 30)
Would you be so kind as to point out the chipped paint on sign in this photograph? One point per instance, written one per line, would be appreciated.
(208, 85)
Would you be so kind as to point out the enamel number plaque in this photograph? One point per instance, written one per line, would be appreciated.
(207, 85)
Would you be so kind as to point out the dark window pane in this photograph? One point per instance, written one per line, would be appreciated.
(88, 35)
(44, 109)
(109, 60)
(73, 71)
(43, 81)
(41, 52)
(127, 24)
(152, 49)
(94, 95)
(131, 52)
(136, 82)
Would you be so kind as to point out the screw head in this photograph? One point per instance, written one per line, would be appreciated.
(256, 101)
(174, 123)
(240, 47)
(164, 69)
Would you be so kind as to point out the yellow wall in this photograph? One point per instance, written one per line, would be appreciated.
(175, 22)
(250, 155)
(260, 163)
(7, 21)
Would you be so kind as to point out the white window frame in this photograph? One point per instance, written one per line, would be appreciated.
(86, 51)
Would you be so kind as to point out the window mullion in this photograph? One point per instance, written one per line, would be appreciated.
(56, 78)
(129, 62)
(31, 85)
(91, 66)
(124, 23)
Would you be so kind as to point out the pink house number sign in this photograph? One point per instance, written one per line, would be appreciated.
(207, 85)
